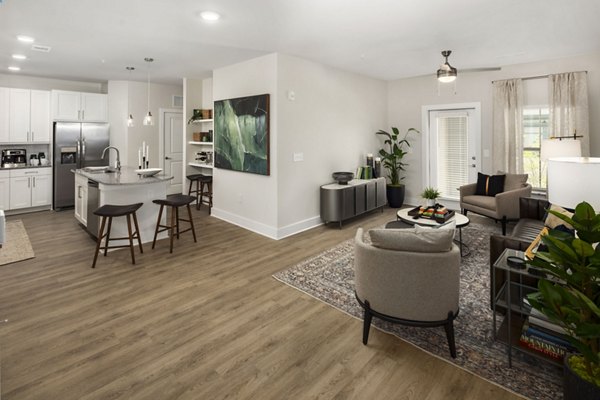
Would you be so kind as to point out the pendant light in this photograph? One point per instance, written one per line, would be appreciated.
(447, 73)
(148, 118)
(130, 121)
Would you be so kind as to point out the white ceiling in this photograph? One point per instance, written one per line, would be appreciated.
(94, 40)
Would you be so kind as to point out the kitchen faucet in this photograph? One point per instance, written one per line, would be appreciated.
(118, 157)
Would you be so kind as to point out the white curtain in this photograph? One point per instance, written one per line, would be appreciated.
(568, 96)
(507, 126)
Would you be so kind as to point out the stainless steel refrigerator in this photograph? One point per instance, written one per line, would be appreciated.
(76, 145)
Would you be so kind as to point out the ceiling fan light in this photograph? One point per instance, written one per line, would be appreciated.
(447, 73)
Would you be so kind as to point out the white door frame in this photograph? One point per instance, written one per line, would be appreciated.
(427, 134)
(161, 136)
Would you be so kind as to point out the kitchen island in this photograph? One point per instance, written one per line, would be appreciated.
(94, 188)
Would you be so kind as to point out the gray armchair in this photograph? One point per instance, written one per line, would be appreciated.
(416, 288)
(504, 206)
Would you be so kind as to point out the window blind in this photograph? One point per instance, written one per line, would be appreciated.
(453, 157)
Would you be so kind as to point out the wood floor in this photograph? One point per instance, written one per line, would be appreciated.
(207, 322)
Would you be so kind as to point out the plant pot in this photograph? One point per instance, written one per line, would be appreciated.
(430, 202)
(395, 195)
(576, 388)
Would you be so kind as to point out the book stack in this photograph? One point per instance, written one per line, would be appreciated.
(365, 172)
(544, 337)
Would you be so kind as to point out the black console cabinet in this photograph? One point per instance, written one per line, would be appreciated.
(341, 202)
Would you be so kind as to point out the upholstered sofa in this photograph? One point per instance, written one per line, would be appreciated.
(417, 287)
(531, 221)
(503, 207)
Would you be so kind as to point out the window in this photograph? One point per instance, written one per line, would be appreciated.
(535, 129)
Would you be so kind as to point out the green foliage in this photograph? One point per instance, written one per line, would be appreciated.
(392, 157)
(570, 294)
(430, 193)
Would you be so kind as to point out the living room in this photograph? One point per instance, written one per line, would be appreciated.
(209, 320)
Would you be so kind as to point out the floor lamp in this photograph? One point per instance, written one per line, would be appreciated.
(552, 148)
(572, 180)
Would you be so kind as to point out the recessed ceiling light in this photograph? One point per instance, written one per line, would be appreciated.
(26, 39)
(12, 68)
(209, 15)
(19, 57)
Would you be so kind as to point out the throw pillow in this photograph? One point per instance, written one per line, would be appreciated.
(489, 185)
(430, 241)
(515, 181)
(450, 225)
(552, 221)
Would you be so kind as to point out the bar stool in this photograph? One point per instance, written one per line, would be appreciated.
(109, 211)
(202, 181)
(175, 201)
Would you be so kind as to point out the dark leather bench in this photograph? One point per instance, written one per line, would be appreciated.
(531, 221)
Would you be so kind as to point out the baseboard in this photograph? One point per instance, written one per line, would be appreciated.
(266, 230)
(251, 225)
(298, 227)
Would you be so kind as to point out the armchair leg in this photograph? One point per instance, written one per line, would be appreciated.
(504, 226)
(367, 323)
(449, 327)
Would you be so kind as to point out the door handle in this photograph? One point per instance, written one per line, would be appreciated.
(28, 182)
(79, 115)
(33, 181)
(167, 158)
(473, 166)
(83, 149)
(32, 136)
(82, 114)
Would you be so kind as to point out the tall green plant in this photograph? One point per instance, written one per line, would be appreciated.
(574, 302)
(392, 158)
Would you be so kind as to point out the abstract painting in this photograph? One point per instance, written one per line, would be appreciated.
(242, 134)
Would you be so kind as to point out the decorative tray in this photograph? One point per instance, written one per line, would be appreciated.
(441, 218)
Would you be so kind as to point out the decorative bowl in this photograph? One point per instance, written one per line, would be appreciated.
(148, 171)
(343, 178)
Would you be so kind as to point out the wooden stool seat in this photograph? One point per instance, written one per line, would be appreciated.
(203, 191)
(174, 201)
(109, 211)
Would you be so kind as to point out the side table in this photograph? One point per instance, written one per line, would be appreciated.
(510, 296)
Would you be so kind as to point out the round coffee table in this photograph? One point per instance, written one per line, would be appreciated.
(461, 222)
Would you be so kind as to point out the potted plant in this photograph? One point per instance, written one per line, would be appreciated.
(430, 194)
(392, 161)
(574, 302)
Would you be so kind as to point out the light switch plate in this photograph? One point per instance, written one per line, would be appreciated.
(298, 157)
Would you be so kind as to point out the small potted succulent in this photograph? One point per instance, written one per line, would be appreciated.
(574, 301)
(392, 161)
(430, 194)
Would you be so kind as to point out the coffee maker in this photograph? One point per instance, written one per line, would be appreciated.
(12, 158)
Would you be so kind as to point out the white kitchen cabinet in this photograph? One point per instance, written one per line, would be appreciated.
(40, 116)
(41, 190)
(19, 115)
(79, 107)
(29, 116)
(4, 112)
(4, 190)
(30, 187)
(81, 196)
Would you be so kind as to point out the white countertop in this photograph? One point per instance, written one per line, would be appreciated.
(353, 182)
(127, 176)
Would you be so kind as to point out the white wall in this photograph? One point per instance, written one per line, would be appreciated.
(249, 200)
(332, 121)
(407, 96)
(34, 82)
(121, 93)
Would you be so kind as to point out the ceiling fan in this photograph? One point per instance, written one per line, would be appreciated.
(447, 73)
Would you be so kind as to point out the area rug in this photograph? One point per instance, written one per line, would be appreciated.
(329, 277)
(17, 246)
